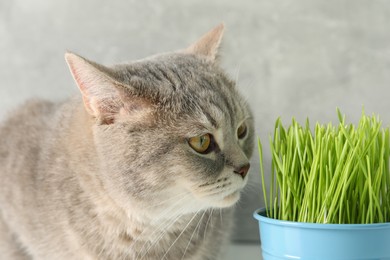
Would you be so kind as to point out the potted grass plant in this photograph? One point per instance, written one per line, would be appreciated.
(329, 192)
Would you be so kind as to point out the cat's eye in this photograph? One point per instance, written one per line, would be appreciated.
(201, 144)
(242, 130)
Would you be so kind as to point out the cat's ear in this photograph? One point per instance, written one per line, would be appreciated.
(208, 44)
(103, 97)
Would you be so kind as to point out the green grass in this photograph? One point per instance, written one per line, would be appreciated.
(334, 175)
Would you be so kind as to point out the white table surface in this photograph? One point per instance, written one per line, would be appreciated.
(243, 252)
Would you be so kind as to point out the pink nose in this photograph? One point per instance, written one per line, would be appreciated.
(243, 170)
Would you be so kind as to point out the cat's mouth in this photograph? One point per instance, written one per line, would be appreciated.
(223, 192)
(227, 199)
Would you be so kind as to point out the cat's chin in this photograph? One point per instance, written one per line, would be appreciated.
(228, 200)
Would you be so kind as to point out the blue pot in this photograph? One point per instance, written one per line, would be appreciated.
(309, 241)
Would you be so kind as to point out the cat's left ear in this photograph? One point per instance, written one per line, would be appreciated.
(208, 45)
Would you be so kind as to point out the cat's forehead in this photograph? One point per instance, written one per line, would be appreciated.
(169, 67)
(188, 85)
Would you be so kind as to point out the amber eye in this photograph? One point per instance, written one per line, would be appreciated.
(241, 131)
(200, 144)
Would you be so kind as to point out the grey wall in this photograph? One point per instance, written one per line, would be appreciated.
(290, 57)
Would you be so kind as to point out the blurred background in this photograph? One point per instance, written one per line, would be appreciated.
(291, 58)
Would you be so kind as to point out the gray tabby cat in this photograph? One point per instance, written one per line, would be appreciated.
(135, 169)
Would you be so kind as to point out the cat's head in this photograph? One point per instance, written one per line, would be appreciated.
(170, 130)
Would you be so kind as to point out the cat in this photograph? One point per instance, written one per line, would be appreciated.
(145, 164)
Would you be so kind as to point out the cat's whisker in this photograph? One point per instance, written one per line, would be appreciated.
(164, 231)
(215, 188)
(252, 187)
(168, 210)
(157, 232)
(207, 223)
(159, 237)
(100, 252)
(160, 217)
(165, 225)
(197, 228)
(206, 211)
(181, 233)
(216, 193)
(166, 214)
(179, 195)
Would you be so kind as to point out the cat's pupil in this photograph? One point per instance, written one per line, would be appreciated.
(241, 131)
(200, 144)
(202, 141)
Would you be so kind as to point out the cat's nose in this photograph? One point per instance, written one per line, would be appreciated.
(242, 170)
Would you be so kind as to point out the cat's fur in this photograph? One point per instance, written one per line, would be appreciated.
(112, 176)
